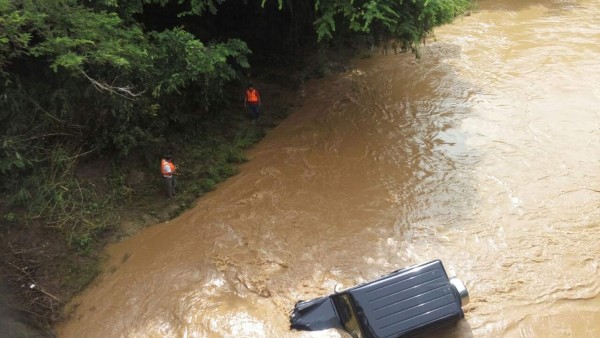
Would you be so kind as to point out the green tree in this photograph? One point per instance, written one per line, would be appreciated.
(409, 21)
(83, 79)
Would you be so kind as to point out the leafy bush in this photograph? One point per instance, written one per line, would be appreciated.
(86, 80)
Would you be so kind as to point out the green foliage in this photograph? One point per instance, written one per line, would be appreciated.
(15, 32)
(115, 88)
(12, 160)
(112, 87)
(83, 78)
(84, 242)
(56, 197)
(181, 59)
(408, 21)
(77, 276)
(207, 184)
(10, 217)
(199, 7)
(210, 157)
(69, 35)
(87, 79)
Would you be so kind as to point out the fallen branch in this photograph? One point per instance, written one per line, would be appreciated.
(32, 282)
(125, 92)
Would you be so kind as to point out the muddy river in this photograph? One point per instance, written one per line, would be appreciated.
(485, 154)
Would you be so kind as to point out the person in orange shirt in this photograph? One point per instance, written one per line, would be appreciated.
(252, 102)
(167, 169)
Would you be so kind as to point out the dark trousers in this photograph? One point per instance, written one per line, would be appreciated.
(170, 184)
(253, 109)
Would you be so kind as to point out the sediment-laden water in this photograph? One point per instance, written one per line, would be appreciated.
(485, 153)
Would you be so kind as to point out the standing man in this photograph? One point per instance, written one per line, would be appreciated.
(168, 170)
(252, 101)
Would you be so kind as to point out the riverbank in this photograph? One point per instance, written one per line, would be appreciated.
(45, 266)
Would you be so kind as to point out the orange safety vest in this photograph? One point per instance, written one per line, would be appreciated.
(252, 96)
(162, 168)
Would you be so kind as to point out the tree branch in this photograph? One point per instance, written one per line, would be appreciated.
(125, 92)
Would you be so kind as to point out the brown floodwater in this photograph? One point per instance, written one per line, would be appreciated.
(485, 154)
